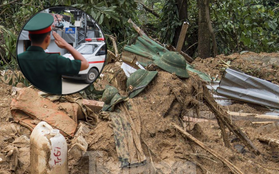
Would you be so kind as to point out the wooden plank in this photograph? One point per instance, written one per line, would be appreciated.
(262, 122)
(268, 116)
(270, 141)
(241, 114)
(263, 116)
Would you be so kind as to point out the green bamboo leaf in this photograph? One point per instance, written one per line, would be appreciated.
(101, 19)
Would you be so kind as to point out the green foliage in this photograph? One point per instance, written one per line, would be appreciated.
(113, 17)
(246, 25)
(149, 19)
(8, 49)
(169, 22)
(15, 15)
(71, 15)
(238, 25)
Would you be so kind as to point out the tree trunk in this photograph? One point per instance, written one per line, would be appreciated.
(183, 16)
(204, 30)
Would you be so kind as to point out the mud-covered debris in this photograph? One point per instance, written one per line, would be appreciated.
(128, 145)
(79, 145)
(78, 148)
(94, 105)
(22, 141)
(29, 105)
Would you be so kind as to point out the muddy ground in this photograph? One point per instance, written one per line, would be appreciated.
(167, 100)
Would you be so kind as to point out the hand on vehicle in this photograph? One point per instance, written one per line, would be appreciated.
(60, 42)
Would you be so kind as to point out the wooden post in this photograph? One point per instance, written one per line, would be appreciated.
(182, 35)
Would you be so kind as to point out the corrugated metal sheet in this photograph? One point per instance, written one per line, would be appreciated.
(241, 86)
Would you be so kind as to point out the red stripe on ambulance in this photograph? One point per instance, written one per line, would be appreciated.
(102, 61)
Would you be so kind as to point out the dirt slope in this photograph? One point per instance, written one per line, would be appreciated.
(167, 99)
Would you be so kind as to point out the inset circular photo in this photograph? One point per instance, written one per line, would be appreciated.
(61, 50)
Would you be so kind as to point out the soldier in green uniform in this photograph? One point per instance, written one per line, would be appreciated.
(45, 70)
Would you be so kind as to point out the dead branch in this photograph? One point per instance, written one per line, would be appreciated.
(150, 10)
(8, 3)
(137, 28)
(113, 39)
(224, 118)
(233, 168)
(110, 56)
(223, 133)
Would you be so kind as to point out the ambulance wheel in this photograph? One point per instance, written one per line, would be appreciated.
(91, 75)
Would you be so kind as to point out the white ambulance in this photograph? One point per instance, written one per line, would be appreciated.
(94, 51)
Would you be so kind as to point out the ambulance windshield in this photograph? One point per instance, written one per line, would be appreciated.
(88, 48)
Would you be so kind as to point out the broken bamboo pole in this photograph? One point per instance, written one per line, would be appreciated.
(224, 117)
(233, 168)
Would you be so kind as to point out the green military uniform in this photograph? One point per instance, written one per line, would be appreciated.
(45, 70)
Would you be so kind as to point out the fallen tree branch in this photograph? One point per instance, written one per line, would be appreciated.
(150, 10)
(111, 56)
(113, 39)
(224, 117)
(224, 133)
(233, 168)
(140, 32)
